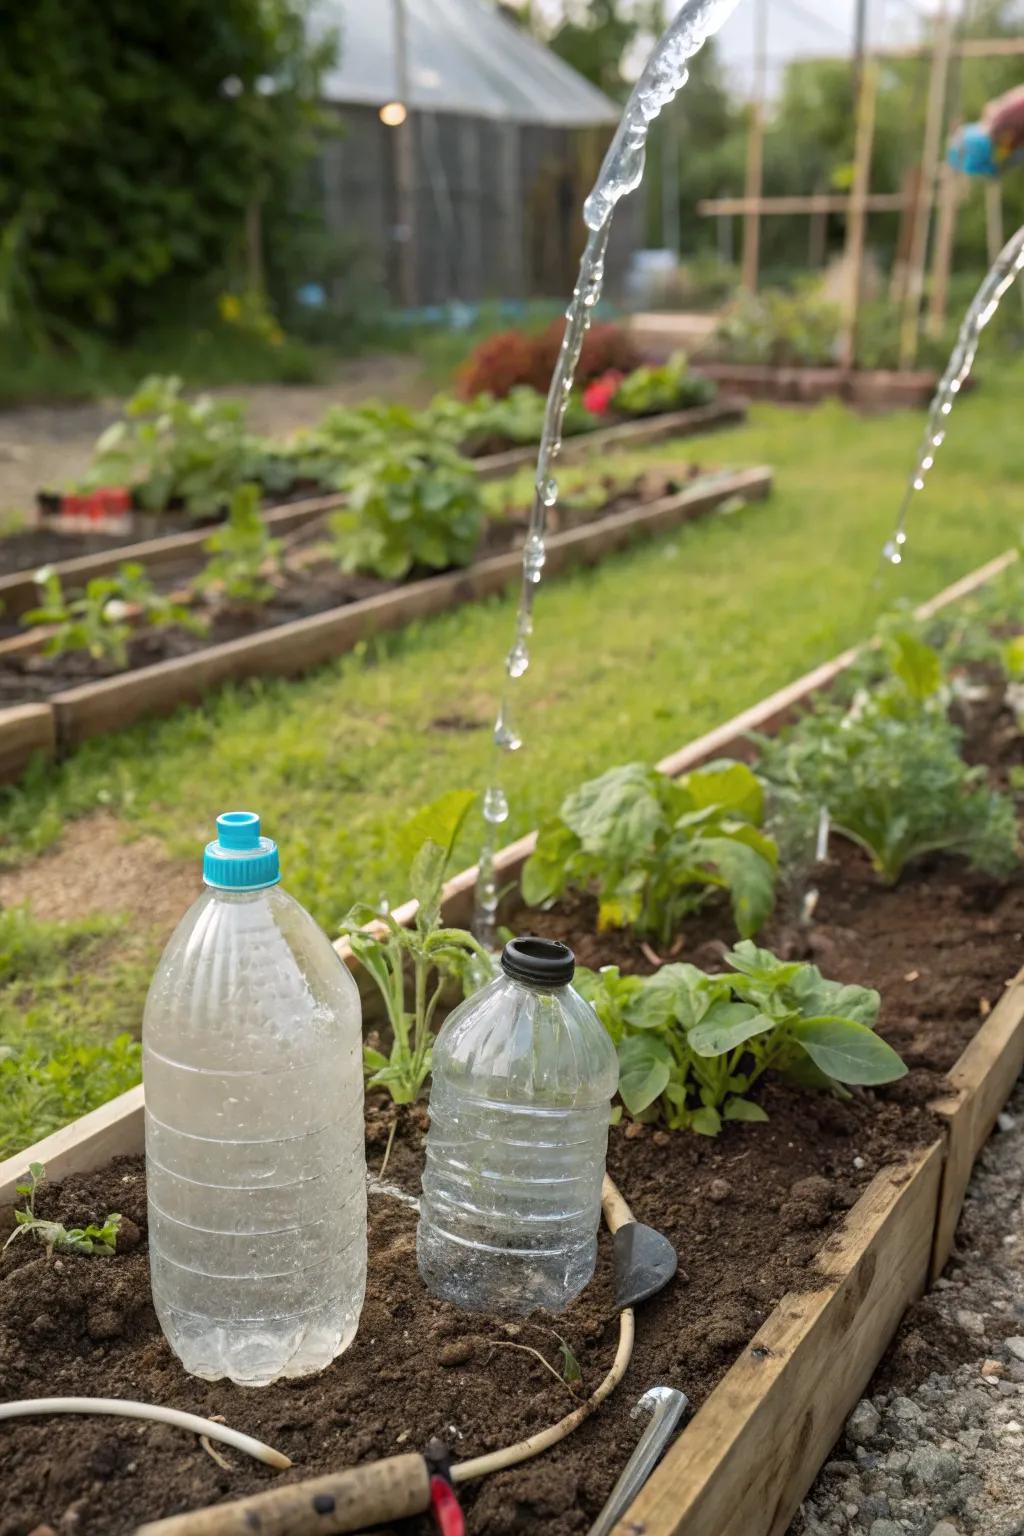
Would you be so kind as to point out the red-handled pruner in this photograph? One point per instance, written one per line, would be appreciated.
(447, 1510)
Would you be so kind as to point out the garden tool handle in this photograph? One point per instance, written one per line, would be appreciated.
(616, 1211)
(321, 1506)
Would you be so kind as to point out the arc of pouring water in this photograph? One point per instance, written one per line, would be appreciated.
(1002, 275)
(622, 171)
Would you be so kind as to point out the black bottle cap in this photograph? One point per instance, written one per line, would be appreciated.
(541, 962)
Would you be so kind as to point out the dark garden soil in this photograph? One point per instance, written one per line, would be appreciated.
(748, 1212)
(311, 583)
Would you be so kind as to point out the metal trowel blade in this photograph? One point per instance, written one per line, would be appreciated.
(645, 1261)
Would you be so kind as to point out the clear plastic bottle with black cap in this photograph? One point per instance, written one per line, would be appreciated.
(256, 1170)
(523, 1077)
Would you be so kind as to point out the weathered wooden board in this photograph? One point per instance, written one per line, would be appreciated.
(626, 434)
(164, 557)
(980, 1084)
(25, 731)
(95, 708)
(176, 553)
(746, 1460)
(89, 1142)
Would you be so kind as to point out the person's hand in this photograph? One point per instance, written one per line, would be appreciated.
(1004, 119)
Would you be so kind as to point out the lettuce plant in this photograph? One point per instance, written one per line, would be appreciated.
(894, 782)
(655, 848)
(667, 387)
(691, 1046)
(411, 501)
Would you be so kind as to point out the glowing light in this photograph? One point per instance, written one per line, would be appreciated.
(393, 114)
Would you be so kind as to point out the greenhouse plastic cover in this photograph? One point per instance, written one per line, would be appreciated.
(463, 57)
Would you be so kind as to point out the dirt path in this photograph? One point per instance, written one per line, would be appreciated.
(98, 869)
(48, 445)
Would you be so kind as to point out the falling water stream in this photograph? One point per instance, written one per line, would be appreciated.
(621, 173)
(1003, 274)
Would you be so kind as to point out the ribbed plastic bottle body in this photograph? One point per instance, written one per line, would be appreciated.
(519, 1105)
(256, 1165)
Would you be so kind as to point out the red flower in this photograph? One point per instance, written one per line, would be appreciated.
(600, 393)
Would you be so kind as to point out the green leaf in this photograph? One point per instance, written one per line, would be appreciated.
(749, 877)
(645, 1065)
(727, 785)
(618, 814)
(545, 873)
(917, 665)
(743, 1109)
(373, 1061)
(439, 822)
(426, 877)
(706, 1121)
(847, 1051)
(571, 1371)
(675, 994)
(726, 1026)
(762, 966)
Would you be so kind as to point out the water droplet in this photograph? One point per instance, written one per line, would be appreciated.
(919, 484)
(518, 659)
(534, 556)
(495, 806)
(891, 553)
(549, 492)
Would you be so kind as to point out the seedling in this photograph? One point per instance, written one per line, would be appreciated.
(435, 954)
(99, 621)
(242, 553)
(691, 1045)
(655, 848)
(88, 1240)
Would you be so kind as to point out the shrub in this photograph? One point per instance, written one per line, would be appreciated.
(512, 357)
(779, 328)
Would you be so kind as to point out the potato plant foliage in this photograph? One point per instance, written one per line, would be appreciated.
(692, 1046)
(655, 848)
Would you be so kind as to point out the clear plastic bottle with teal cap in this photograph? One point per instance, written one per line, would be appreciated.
(256, 1169)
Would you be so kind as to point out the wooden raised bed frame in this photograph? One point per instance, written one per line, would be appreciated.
(176, 552)
(753, 1449)
(92, 709)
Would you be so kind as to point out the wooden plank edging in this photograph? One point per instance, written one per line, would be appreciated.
(744, 1463)
(26, 731)
(94, 709)
(753, 1449)
(172, 552)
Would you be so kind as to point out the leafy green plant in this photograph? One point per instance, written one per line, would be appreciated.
(411, 501)
(779, 328)
(92, 1239)
(655, 848)
(667, 387)
(99, 620)
(894, 782)
(434, 955)
(242, 553)
(170, 450)
(691, 1046)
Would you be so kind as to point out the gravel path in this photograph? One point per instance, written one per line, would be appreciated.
(937, 1446)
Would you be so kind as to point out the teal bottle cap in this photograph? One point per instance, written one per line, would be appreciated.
(240, 859)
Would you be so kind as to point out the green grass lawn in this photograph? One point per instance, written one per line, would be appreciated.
(631, 659)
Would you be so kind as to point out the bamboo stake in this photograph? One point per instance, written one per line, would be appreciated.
(994, 217)
(950, 188)
(755, 157)
(857, 222)
(910, 329)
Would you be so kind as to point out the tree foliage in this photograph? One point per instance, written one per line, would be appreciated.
(135, 138)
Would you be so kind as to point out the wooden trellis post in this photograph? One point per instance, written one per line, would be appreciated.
(755, 157)
(911, 326)
(856, 224)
